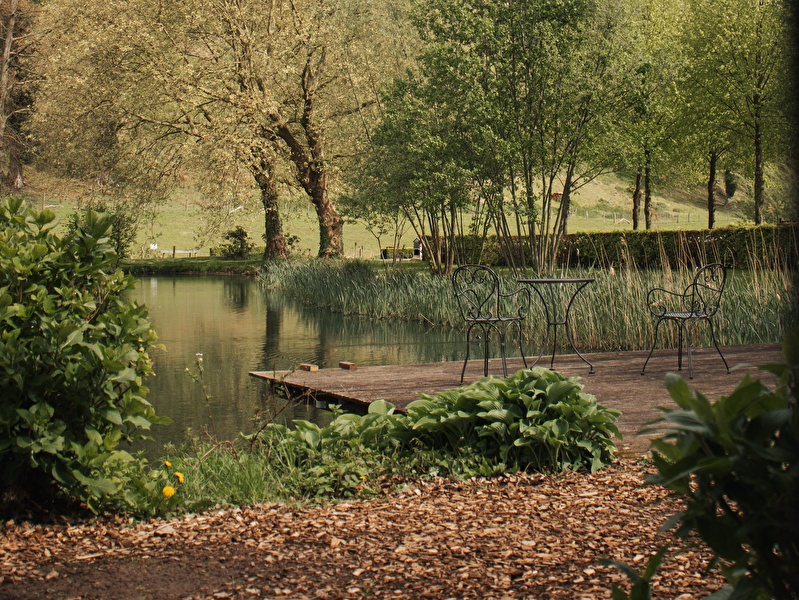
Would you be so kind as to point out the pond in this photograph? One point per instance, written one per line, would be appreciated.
(238, 326)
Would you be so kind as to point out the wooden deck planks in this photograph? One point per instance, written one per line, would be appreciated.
(617, 383)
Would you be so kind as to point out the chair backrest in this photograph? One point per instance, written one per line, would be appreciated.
(706, 289)
(477, 291)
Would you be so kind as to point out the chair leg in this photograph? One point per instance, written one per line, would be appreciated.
(468, 348)
(688, 343)
(502, 353)
(679, 344)
(485, 351)
(716, 344)
(521, 344)
(654, 343)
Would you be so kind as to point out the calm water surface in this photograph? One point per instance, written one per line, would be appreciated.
(239, 327)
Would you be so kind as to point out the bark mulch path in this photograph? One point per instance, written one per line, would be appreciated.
(528, 536)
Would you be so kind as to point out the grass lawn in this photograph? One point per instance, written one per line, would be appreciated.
(186, 222)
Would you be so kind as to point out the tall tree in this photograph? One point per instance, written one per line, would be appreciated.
(524, 91)
(655, 67)
(239, 85)
(414, 169)
(741, 50)
(708, 144)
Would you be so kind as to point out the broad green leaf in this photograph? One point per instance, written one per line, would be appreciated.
(112, 416)
(381, 407)
(94, 436)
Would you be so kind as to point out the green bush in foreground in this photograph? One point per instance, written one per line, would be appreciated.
(534, 420)
(735, 464)
(73, 360)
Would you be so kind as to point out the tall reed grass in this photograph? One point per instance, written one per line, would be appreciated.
(358, 287)
(609, 314)
(612, 313)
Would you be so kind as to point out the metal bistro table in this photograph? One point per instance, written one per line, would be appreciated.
(551, 303)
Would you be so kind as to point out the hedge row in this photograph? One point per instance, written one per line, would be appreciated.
(766, 245)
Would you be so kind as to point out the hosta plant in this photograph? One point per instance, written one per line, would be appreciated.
(536, 419)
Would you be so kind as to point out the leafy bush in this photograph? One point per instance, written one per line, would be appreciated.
(238, 244)
(345, 458)
(392, 253)
(536, 419)
(773, 246)
(124, 226)
(735, 464)
(73, 360)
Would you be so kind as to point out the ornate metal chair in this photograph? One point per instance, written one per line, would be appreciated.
(698, 302)
(484, 307)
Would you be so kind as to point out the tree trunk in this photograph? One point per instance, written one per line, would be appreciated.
(276, 246)
(637, 201)
(565, 201)
(308, 156)
(647, 189)
(309, 160)
(711, 191)
(9, 28)
(331, 225)
(14, 179)
(759, 179)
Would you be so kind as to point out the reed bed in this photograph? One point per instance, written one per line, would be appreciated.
(357, 287)
(610, 314)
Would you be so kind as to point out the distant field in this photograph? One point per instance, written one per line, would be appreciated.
(185, 223)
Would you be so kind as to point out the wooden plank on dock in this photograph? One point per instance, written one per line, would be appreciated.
(617, 382)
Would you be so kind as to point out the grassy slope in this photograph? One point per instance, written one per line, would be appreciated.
(602, 205)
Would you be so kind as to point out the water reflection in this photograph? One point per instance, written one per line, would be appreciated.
(239, 327)
(237, 291)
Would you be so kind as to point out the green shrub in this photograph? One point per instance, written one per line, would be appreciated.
(73, 363)
(347, 458)
(392, 253)
(735, 463)
(769, 246)
(238, 244)
(124, 227)
(765, 246)
(536, 419)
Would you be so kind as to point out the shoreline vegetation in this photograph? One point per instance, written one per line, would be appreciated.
(196, 265)
(612, 313)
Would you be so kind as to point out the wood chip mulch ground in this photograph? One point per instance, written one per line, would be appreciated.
(527, 536)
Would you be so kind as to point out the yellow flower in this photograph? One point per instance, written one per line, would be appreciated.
(168, 491)
(179, 476)
(167, 464)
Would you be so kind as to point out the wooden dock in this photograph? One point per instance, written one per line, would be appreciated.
(617, 382)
